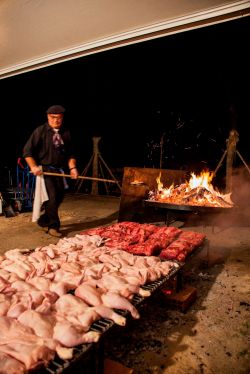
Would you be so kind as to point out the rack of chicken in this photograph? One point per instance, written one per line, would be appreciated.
(57, 300)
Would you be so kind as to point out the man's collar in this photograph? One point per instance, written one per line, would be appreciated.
(49, 128)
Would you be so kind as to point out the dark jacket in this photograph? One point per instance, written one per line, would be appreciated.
(40, 146)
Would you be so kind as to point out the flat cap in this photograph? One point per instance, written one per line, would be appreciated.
(55, 109)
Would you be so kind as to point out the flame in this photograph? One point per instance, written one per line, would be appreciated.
(203, 180)
(159, 184)
(165, 192)
(197, 191)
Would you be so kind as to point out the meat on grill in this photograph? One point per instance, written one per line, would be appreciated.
(20, 342)
(167, 242)
(138, 239)
(106, 312)
(111, 299)
(114, 300)
(71, 335)
(114, 283)
(10, 365)
(38, 316)
(182, 246)
(89, 294)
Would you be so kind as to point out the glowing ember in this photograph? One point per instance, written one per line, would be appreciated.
(137, 182)
(197, 191)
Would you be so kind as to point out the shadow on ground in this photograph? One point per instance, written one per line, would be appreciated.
(72, 228)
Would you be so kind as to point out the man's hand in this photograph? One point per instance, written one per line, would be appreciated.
(36, 170)
(74, 173)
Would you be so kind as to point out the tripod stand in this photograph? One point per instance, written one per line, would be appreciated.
(98, 167)
(231, 151)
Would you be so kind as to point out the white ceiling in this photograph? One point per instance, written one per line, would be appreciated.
(38, 33)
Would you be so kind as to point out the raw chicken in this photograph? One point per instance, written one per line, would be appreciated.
(89, 294)
(114, 300)
(106, 312)
(9, 365)
(19, 342)
(41, 324)
(70, 335)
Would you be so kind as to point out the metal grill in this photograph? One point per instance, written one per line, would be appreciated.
(85, 352)
(58, 365)
(91, 351)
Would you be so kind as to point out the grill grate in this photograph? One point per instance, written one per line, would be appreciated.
(102, 325)
(57, 366)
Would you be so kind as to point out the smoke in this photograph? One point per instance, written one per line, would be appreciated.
(238, 216)
(241, 187)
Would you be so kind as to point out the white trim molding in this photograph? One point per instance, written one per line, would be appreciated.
(195, 20)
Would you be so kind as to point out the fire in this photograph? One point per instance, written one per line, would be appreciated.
(137, 182)
(165, 192)
(202, 180)
(197, 191)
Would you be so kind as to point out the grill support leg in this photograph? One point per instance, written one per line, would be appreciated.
(179, 280)
(167, 218)
(99, 362)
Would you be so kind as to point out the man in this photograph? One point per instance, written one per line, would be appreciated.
(49, 149)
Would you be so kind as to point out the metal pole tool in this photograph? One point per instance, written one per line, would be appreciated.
(79, 177)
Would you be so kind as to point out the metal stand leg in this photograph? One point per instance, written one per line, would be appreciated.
(98, 163)
(179, 280)
(206, 247)
(238, 153)
(167, 218)
(99, 364)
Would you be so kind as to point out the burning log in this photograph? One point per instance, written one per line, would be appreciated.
(198, 191)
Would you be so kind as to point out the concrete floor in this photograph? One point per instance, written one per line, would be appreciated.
(77, 212)
(211, 337)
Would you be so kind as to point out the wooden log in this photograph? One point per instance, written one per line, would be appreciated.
(94, 189)
(231, 150)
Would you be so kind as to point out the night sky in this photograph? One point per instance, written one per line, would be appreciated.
(187, 89)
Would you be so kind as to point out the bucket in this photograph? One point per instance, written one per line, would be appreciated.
(6, 208)
(9, 211)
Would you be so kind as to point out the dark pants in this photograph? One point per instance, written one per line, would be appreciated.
(55, 190)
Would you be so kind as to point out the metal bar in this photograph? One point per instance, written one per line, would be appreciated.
(103, 175)
(83, 174)
(220, 163)
(238, 153)
(110, 172)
